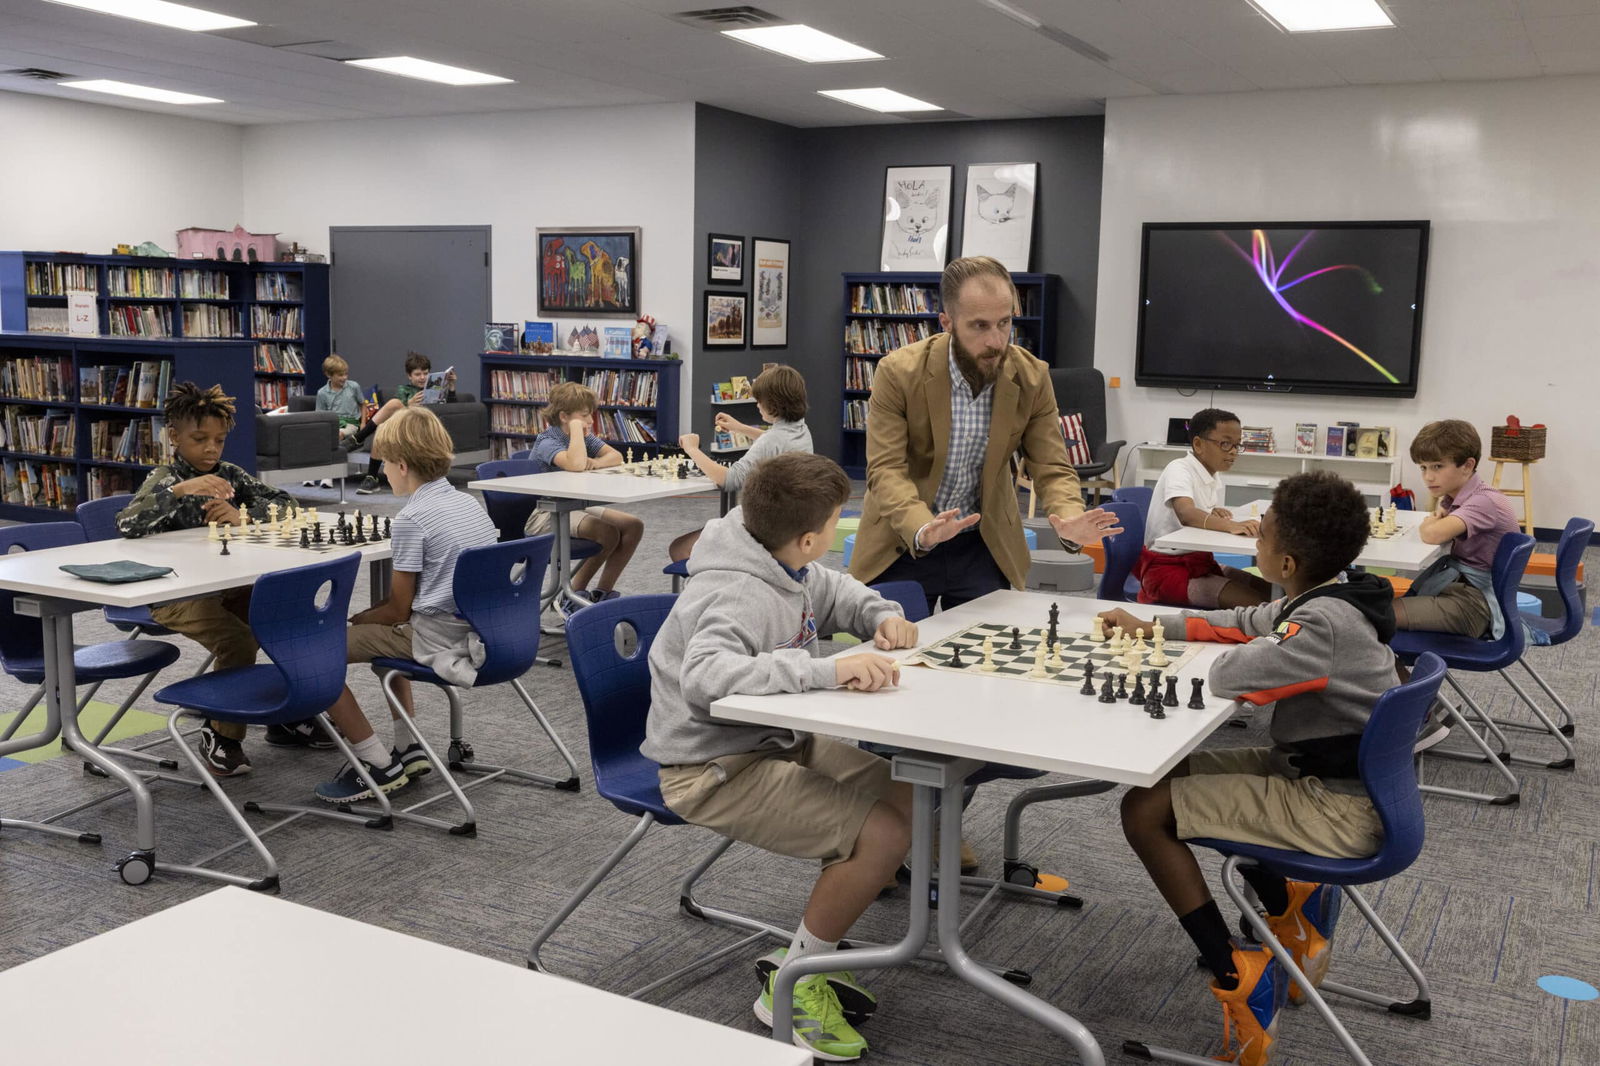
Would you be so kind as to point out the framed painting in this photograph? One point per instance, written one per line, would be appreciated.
(725, 316)
(997, 219)
(724, 259)
(916, 218)
(770, 328)
(589, 271)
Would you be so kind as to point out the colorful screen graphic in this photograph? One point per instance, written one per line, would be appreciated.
(1334, 307)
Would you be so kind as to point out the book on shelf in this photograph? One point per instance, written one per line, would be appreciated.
(153, 283)
(726, 440)
(37, 377)
(50, 431)
(855, 414)
(1335, 440)
(1256, 439)
(277, 357)
(618, 342)
(211, 320)
(139, 320)
(278, 285)
(501, 338)
(36, 483)
(741, 387)
(883, 299)
(275, 393)
(521, 384)
(858, 372)
(58, 279)
(1305, 438)
(204, 285)
(101, 481)
(880, 338)
(1350, 436)
(277, 322)
(504, 418)
(539, 338)
(47, 320)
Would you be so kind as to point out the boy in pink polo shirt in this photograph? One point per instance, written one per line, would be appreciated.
(1456, 593)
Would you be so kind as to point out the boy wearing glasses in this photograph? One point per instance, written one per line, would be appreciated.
(1189, 493)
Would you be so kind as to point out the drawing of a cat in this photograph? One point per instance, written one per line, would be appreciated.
(996, 207)
(919, 207)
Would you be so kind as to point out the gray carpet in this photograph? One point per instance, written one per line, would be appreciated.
(1500, 896)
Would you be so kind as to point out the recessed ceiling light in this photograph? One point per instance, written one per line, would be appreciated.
(427, 70)
(880, 99)
(161, 13)
(141, 92)
(803, 43)
(1313, 16)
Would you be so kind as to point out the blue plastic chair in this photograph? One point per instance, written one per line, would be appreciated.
(509, 511)
(1389, 774)
(679, 573)
(1569, 553)
(1138, 495)
(1122, 552)
(298, 618)
(22, 653)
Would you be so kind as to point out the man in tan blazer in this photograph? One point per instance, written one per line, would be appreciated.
(946, 416)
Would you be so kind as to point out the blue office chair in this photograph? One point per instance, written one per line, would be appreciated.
(1138, 495)
(1122, 552)
(1482, 656)
(1389, 774)
(298, 618)
(22, 656)
(1569, 553)
(679, 573)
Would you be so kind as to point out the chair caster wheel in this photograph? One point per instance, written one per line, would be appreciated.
(136, 867)
(1569, 730)
(93, 770)
(459, 752)
(1021, 873)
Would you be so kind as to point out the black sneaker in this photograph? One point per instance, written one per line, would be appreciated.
(369, 485)
(349, 788)
(223, 756)
(302, 734)
(414, 759)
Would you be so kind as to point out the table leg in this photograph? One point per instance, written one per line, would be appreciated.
(559, 580)
(380, 573)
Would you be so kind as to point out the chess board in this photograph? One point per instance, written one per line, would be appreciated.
(1018, 663)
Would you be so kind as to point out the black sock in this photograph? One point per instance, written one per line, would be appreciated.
(1270, 889)
(372, 467)
(1209, 932)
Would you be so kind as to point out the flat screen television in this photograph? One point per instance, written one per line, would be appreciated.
(1328, 307)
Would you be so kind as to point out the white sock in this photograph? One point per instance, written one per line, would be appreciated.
(372, 752)
(808, 943)
(402, 736)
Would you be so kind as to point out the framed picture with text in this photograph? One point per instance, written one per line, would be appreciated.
(916, 218)
(770, 329)
(724, 259)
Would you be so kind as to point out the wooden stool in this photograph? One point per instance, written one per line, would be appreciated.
(1526, 491)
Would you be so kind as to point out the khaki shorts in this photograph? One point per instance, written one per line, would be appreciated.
(542, 522)
(1458, 608)
(809, 802)
(369, 641)
(1230, 795)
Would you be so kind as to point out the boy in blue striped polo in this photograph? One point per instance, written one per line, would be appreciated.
(418, 621)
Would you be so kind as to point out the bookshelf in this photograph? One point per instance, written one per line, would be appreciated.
(282, 308)
(885, 311)
(57, 451)
(638, 398)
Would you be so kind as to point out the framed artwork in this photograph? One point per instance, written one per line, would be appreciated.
(725, 315)
(771, 326)
(589, 271)
(916, 218)
(724, 259)
(997, 219)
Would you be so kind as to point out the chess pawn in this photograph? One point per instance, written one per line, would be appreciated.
(1055, 655)
(988, 665)
(1038, 661)
(1139, 644)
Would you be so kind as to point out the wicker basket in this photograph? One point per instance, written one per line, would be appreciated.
(1526, 447)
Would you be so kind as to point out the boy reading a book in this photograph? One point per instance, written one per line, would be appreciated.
(408, 394)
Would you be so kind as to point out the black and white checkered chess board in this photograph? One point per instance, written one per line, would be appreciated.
(1018, 662)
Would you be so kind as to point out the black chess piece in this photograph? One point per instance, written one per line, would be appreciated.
(373, 536)
(386, 534)
(305, 538)
(1171, 698)
(1153, 706)
(1196, 701)
(955, 658)
(1088, 678)
(1122, 686)
(1054, 634)
(316, 534)
(225, 550)
(1138, 694)
(342, 521)
(361, 533)
(1105, 689)
(1016, 640)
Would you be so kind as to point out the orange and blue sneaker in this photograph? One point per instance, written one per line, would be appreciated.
(1306, 930)
(1250, 1011)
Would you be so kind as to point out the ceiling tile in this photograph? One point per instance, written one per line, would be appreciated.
(1564, 33)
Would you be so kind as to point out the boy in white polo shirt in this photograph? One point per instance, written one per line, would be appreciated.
(1189, 493)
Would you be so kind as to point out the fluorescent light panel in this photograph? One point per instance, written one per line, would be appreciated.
(427, 70)
(139, 92)
(1313, 16)
(803, 43)
(178, 16)
(880, 99)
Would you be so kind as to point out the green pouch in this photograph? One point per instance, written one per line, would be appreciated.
(118, 573)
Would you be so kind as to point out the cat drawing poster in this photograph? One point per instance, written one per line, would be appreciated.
(916, 218)
(998, 217)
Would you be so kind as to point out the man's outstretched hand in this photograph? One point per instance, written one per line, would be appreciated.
(1087, 528)
(944, 526)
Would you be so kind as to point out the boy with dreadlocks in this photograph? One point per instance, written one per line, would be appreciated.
(194, 487)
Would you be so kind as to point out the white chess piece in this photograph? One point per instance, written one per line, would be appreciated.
(1159, 656)
(1055, 655)
(272, 512)
(213, 534)
(630, 456)
(1116, 640)
(988, 665)
(1038, 660)
(1098, 633)
(1139, 644)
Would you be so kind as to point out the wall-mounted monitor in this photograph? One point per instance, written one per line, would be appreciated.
(1329, 307)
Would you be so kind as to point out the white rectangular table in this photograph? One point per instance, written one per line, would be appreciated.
(142, 979)
(1404, 551)
(52, 595)
(950, 724)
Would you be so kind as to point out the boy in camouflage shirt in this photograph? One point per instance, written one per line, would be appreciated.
(194, 488)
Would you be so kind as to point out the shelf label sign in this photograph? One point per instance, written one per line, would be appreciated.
(82, 318)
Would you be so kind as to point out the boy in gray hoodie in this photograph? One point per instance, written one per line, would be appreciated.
(1321, 655)
(748, 623)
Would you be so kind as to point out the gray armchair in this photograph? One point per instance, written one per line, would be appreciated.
(302, 445)
(1082, 390)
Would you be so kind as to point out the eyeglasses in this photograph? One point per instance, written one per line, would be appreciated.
(1225, 445)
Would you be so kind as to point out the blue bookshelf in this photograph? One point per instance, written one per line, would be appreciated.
(41, 375)
(516, 403)
(885, 311)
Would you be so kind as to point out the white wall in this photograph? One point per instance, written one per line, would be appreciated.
(84, 177)
(516, 171)
(1505, 170)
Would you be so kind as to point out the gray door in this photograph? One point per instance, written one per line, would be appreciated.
(409, 288)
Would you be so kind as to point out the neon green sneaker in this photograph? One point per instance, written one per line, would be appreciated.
(819, 1022)
(857, 1002)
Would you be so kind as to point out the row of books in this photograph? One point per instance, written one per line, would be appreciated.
(879, 338)
(1256, 439)
(506, 419)
(47, 320)
(139, 320)
(139, 281)
(31, 483)
(726, 440)
(621, 427)
(141, 384)
(100, 482)
(276, 322)
(735, 388)
(37, 377)
(1348, 438)
(858, 372)
(280, 358)
(58, 279)
(204, 285)
(138, 440)
(855, 414)
(211, 320)
(636, 388)
(894, 299)
(274, 286)
(54, 432)
(271, 395)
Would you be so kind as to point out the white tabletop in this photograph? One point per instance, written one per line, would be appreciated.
(598, 486)
(198, 567)
(128, 997)
(1403, 551)
(1045, 727)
